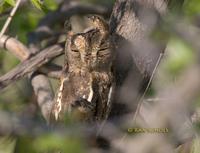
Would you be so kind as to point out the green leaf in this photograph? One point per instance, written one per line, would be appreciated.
(10, 2)
(1, 7)
(38, 4)
(4, 6)
(57, 143)
(191, 7)
(180, 55)
(50, 4)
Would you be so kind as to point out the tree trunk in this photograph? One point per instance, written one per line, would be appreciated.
(131, 23)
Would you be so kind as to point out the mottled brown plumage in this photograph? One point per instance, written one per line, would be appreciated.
(88, 79)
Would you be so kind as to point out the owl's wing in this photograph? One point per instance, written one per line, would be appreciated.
(62, 98)
(110, 99)
(67, 44)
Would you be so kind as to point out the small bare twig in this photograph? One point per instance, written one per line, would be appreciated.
(147, 87)
(12, 13)
(7, 12)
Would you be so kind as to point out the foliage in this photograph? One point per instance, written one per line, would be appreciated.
(11, 2)
(50, 143)
(191, 7)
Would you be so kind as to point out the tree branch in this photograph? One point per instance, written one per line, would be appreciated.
(15, 47)
(131, 31)
(44, 94)
(31, 65)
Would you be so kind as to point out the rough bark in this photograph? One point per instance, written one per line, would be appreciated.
(15, 47)
(131, 23)
(30, 65)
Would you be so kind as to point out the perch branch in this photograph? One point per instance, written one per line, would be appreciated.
(19, 50)
(30, 65)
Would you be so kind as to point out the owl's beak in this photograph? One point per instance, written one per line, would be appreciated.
(91, 17)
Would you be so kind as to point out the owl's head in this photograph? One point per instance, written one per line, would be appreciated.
(99, 23)
(90, 50)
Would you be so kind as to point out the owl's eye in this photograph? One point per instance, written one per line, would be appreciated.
(74, 50)
(103, 51)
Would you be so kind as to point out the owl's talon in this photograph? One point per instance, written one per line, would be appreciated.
(83, 103)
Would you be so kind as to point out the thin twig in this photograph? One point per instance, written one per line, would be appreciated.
(147, 87)
(143, 95)
(9, 18)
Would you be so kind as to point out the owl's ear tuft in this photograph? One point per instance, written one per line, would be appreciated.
(67, 25)
(99, 23)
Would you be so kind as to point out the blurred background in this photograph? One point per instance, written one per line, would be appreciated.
(19, 98)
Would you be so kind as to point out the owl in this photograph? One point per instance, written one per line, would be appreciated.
(87, 80)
